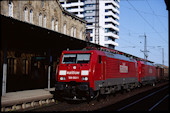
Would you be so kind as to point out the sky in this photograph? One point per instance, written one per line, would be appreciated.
(139, 17)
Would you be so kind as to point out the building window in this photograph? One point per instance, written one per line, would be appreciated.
(52, 24)
(25, 66)
(10, 8)
(89, 30)
(64, 29)
(89, 11)
(106, 38)
(42, 3)
(89, 23)
(91, 38)
(44, 21)
(100, 60)
(81, 34)
(11, 66)
(89, 17)
(56, 25)
(31, 16)
(40, 19)
(74, 32)
(26, 14)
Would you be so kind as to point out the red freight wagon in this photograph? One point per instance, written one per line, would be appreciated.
(86, 73)
(159, 72)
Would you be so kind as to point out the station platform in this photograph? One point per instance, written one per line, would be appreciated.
(28, 98)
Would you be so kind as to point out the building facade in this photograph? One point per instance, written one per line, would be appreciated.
(31, 31)
(47, 14)
(108, 18)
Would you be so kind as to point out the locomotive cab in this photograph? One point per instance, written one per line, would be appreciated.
(74, 75)
(72, 66)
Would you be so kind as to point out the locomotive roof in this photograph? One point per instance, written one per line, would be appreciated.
(108, 54)
(84, 51)
(119, 52)
(150, 64)
(118, 56)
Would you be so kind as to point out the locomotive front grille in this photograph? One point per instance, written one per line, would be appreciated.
(71, 89)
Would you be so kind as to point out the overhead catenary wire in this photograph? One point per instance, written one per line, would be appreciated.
(144, 12)
(131, 35)
(147, 22)
(156, 15)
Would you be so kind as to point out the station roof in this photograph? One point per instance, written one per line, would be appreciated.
(19, 35)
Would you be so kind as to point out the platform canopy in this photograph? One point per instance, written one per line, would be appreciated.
(19, 35)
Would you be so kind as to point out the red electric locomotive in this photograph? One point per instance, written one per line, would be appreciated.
(84, 74)
(146, 73)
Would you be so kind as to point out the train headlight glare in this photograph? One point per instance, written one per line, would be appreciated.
(84, 78)
(84, 72)
(62, 78)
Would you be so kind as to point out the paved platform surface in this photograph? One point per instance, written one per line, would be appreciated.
(19, 97)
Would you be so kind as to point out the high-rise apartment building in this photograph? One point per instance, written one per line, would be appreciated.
(108, 19)
(74, 6)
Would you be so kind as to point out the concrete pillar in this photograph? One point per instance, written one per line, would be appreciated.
(49, 67)
(4, 79)
(4, 72)
(49, 71)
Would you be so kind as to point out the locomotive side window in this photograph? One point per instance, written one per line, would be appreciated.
(100, 60)
(76, 58)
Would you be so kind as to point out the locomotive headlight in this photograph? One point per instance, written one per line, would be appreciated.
(84, 78)
(62, 78)
(84, 72)
(62, 72)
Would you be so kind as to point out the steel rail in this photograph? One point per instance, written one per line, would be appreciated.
(142, 99)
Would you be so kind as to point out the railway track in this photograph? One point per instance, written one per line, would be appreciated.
(146, 101)
(103, 103)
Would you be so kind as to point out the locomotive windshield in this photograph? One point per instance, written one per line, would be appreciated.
(76, 58)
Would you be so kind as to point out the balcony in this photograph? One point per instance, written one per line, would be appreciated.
(113, 2)
(73, 4)
(89, 14)
(110, 42)
(80, 15)
(111, 26)
(112, 14)
(110, 34)
(90, 20)
(90, 7)
(75, 10)
(90, 2)
(111, 20)
(111, 7)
